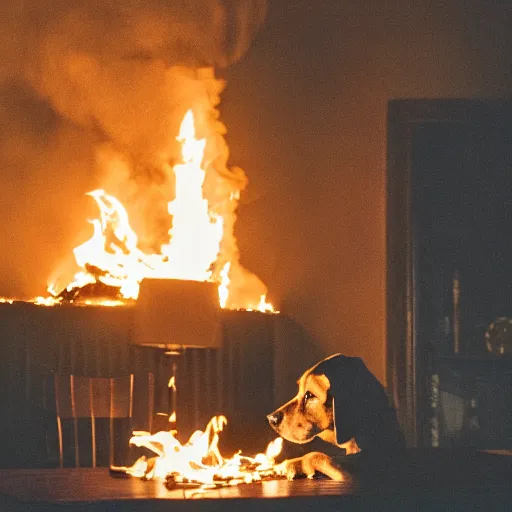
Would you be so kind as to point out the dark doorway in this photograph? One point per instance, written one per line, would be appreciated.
(449, 260)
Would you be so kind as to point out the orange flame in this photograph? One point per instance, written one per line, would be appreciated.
(195, 234)
(199, 460)
(112, 256)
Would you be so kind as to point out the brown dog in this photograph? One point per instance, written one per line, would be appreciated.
(341, 402)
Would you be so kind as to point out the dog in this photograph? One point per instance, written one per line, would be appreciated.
(341, 402)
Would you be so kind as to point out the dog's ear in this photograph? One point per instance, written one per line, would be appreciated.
(356, 393)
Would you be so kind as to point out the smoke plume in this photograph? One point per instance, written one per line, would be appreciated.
(92, 94)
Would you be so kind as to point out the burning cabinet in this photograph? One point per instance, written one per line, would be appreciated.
(449, 282)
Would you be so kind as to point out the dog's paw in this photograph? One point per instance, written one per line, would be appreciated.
(351, 447)
(308, 465)
(291, 468)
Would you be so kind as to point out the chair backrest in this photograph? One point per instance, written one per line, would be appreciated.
(78, 398)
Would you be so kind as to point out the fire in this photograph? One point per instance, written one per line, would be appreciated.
(195, 234)
(199, 460)
(112, 250)
(224, 285)
(46, 301)
(112, 258)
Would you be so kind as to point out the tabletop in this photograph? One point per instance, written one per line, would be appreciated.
(464, 485)
(96, 484)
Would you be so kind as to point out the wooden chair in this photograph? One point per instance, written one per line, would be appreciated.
(95, 402)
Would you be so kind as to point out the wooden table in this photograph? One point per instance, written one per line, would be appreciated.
(90, 490)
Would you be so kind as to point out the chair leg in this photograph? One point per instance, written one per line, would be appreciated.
(130, 409)
(56, 390)
(75, 420)
(59, 433)
(151, 400)
(93, 425)
(111, 424)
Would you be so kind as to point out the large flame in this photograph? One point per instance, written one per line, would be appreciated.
(199, 460)
(195, 234)
(112, 256)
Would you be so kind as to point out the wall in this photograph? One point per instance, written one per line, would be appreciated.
(306, 114)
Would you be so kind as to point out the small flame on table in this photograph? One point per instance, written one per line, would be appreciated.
(199, 462)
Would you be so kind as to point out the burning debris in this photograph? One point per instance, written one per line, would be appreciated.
(112, 265)
(199, 463)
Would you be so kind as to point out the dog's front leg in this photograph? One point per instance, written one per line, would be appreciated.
(308, 465)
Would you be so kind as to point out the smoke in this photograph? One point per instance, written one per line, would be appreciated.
(92, 94)
(195, 33)
(95, 58)
(103, 64)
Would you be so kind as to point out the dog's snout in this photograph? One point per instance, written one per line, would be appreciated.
(275, 418)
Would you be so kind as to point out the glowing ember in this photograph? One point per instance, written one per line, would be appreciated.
(111, 259)
(46, 301)
(199, 460)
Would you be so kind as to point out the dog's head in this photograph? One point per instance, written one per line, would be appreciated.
(333, 399)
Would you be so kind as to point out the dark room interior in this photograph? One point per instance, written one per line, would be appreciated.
(376, 142)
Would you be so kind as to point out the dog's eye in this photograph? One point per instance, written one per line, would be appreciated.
(308, 396)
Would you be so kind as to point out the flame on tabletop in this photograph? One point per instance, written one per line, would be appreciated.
(112, 257)
(199, 461)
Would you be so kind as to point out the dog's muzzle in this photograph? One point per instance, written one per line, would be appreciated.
(275, 419)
